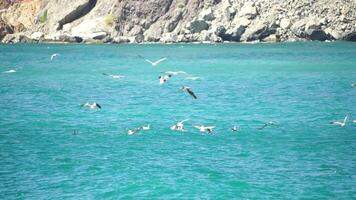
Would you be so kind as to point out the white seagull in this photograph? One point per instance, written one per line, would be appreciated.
(267, 124)
(354, 121)
(235, 128)
(353, 85)
(164, 78)
(202, 128)
(9, 71)
(187, 89)
(53, 56)
(179, 126)
(146, 127)
(133, 131)
(153, 63)
(343, 123)
(115, 76)
(91, 106)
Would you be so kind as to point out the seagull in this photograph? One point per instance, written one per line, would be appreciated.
(266, 124)
(75, 132)
(175, 73)
(343, 123)
(353, 85)
(193, 78)
(53, 56)
(354, 121)
(179, 126)
(146, 127)
(9, 71)
(153, 63)
(91, 106)
(189, 91)
(115, 76)
(202, 128)
(133, 131)
(164, 78)
(234, 129)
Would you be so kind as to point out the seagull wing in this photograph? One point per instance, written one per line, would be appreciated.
(183, 121)
(152, 63)
(191, 93)
(345, 118)
(160, 60)
(262, 127)
(197, 126)
(97, 105)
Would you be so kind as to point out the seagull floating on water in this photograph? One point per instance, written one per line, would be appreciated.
(202, 128)
(91, 106)
(164, 78)
(343, 123)
(133, 131)
(53, 56)
(179, 126)
(184, 88)
(353, 85)
(267, 124)
(9, 71)
(146, 127)
(234, 128)
(153, 63)
(115, 76)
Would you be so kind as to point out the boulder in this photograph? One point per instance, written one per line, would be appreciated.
(285, 23)
(316, 34)
(313, 24)
(207, 15)
(257, 31)
(350, 37)
(333, 34)
(248, 10)
(197, 26)
(16, 38)
(97, 35)
(298, 28)
(37, 36)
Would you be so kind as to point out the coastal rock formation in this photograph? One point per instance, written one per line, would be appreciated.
(167, 21)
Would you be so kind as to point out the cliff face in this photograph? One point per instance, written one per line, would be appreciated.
(178, 20)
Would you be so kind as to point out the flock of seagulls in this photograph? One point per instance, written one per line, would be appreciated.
(179, 126)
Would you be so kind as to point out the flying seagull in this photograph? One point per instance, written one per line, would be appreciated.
(343, 123)
(91, 106)
(53, 56)
(353, 85)
(115, 76)
(164, 78)
(179, 126)
(202, 128)
(267, 124)
(184, 88)
(153, 63)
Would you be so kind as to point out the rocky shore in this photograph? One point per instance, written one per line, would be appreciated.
(170, 21)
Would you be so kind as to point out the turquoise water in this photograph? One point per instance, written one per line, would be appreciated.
(300, 86)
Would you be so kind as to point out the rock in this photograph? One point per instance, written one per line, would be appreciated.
(197, 26)
(97, 36)
(168, 37)
(16, 38)
(121, 39)
(68, 38)
(248, 10)
(285, 23)
(333, 34)
(298, 28)
(256, 31)
(272, 38)
(207, 15)
(350, 37)
(316, 34)
(313, 24)
(37, 36)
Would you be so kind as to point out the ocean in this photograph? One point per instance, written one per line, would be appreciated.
(52, 148)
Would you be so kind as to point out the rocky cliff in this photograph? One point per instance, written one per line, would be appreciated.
(177, 20)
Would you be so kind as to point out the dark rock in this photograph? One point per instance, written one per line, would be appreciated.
(316, 34)
(350, 37)
(197, 26)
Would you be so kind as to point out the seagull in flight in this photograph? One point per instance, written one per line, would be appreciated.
(343, 123)
(267, 124)
(179, 126)
(202, 128)
(164, 78)
(153, 63)
(91, 106)
(184, 88)
(115, 76)
(175, 72)
(9, 71)
(53, 56)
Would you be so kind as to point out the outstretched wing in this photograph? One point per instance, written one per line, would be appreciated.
(262, 127)
(191, 93)
(160, 60)
(97, 105)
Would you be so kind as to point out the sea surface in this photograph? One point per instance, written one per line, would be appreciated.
(52, 148)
